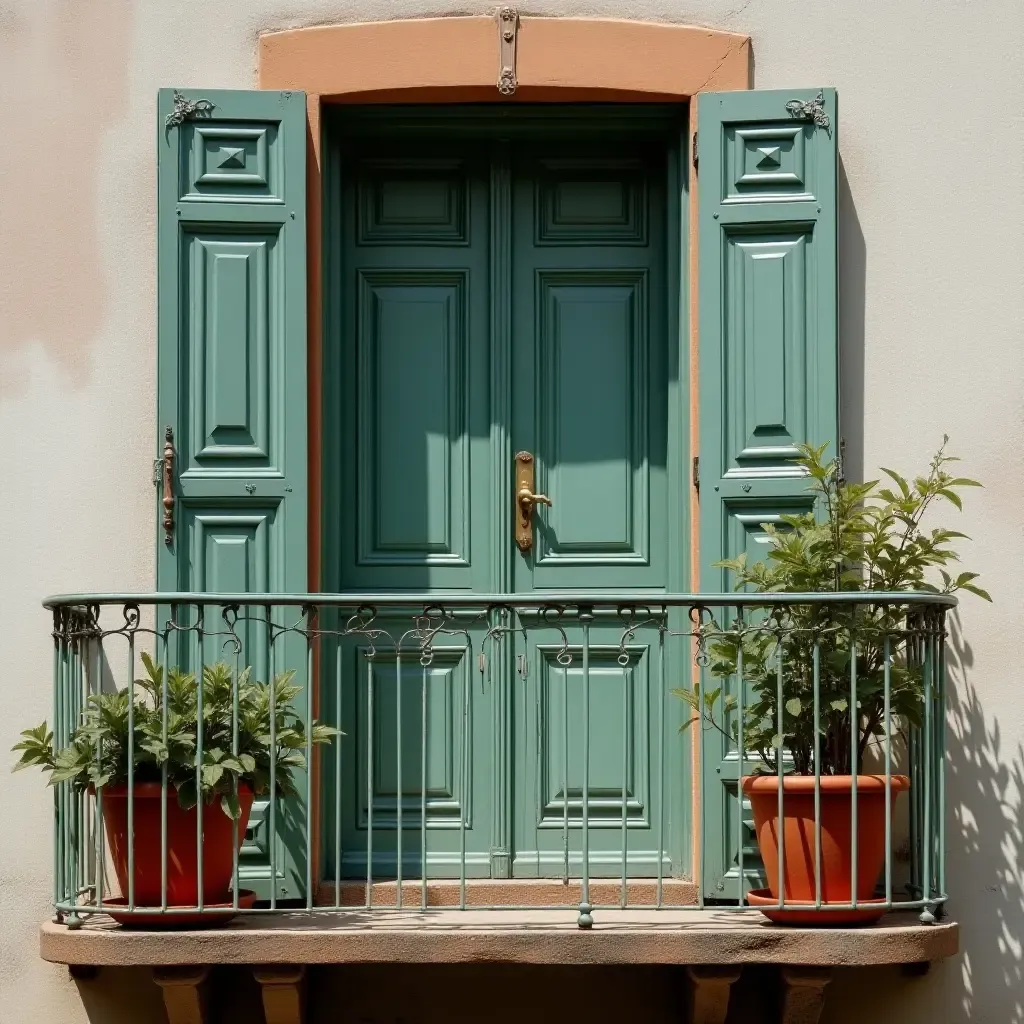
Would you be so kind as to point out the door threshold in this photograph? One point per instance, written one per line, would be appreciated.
(510, 892)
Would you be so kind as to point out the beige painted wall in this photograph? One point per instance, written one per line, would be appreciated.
(932, 266)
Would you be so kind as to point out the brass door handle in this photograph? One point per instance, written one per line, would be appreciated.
(526, 500)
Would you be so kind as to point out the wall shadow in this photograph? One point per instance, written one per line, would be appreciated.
(984, 878)
(985, 846)
(852, 271)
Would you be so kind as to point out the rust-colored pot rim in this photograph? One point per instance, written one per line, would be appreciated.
(148, 790)
(829, 783)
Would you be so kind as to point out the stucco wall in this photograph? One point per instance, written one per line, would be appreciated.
(932, 284)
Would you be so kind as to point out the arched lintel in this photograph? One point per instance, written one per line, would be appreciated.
(421, 56)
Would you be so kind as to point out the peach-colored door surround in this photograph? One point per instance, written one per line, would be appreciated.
(457, 60)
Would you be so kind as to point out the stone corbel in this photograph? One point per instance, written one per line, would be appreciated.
(184, 991)
(803, 993)
(709, 993)
(284, 992)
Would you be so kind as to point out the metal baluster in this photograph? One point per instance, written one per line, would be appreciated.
(780, 820)
(74, 800)
(624, 662)
(131, 772)
(400, 787)
(58, 820)
(200, 728)
(565, 775)
(940, 681)
(586, 917)
(164, 770)
(887, 715)
(272, 796)
(234, 754)
(369, 781)
(697, 652)
(98, 837)
(310, 626)
(741, 751)
(854, 768)
(817, 771)
(464, 783)
(660, 890)
(927, 913)
(337, 774)
(423, 790)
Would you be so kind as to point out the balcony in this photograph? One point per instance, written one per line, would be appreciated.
(548, 779)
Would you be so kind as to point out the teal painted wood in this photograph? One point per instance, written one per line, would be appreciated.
(768, 364)
(444, 263)
(410, 502)
(231, 201)
(591, 379)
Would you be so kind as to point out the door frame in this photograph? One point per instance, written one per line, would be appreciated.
(455, 59)
(665, 124)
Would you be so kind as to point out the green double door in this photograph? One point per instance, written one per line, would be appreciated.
(488, 297)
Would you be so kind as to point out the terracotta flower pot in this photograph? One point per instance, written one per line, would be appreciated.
(798, 823)
(221, 837)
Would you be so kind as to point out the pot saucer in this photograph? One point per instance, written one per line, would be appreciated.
(869, 913)
(208, 918)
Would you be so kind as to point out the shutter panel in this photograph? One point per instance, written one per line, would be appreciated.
(768, 360)
(231, 230)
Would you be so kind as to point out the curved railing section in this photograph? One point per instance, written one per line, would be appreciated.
(593, 744)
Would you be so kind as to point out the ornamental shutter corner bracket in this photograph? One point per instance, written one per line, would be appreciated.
(186, 109)
(508, 29)
(811, 110)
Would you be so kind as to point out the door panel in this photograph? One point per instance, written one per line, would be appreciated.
(590, 402)
(589, 367)
(411, 723)
(413, 509)
(415, 502)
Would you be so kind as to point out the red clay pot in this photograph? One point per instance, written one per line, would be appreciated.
(798, 819)
(221, 837)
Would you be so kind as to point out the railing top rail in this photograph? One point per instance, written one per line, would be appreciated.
(524, 601)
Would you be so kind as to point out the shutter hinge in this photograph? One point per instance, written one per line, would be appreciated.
(841, 462)
(695, 155)
(167, 476)
(696, 473)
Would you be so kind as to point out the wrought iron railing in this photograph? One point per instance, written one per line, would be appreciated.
(570, 699)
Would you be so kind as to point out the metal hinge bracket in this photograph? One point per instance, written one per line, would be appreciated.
(167, 465)
(695, 157)
(508, 29)
(696, 473)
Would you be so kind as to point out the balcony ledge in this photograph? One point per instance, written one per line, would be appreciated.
(671, 936)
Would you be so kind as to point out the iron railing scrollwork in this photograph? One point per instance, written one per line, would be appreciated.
(344, 647)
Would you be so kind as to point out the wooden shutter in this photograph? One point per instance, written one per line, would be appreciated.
(768, 358)
(231, 231)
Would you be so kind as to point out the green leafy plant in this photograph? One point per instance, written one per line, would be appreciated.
(863, 538)
(97, 754)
